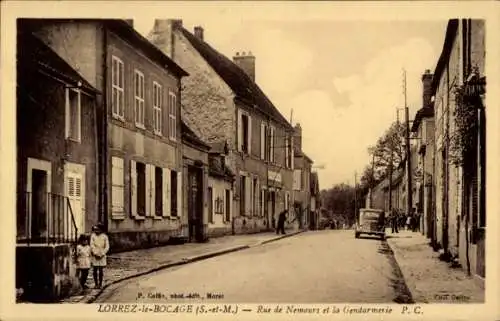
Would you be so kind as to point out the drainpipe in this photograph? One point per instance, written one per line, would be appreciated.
(104, 143)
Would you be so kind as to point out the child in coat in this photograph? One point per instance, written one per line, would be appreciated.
(83, 259)
(99, 245)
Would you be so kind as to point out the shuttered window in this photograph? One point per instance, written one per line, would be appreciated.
(157, 108)
(117, 88)
(172, 115)
(117, 187)
(139, 98)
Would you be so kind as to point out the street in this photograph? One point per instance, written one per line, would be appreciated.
(326, 266)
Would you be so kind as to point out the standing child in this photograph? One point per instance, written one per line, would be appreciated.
(83, 259)
(99, 245)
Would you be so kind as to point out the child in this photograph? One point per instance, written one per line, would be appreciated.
(99, 245)
(83, 259)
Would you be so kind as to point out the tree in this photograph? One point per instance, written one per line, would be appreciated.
(340, 201)
(389, 150)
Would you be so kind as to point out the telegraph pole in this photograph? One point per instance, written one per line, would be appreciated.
(355, 199)
(409, 200)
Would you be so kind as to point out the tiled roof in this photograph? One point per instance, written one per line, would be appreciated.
(33, 53)
(421, 113)
(245, 88)
(189, 136)
(217, 168)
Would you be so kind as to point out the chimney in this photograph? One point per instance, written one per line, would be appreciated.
(162, 35)
(297, 137)
(198, 32)
(426, 85)
(246, 61)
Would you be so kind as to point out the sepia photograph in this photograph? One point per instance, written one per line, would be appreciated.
(223, 164)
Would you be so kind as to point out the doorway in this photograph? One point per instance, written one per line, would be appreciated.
(195, 204)
(39, 206)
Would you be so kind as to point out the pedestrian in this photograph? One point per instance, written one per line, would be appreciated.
(83, 259)
(99, 245)
(281, 222)
(394, 222)
(408, 222)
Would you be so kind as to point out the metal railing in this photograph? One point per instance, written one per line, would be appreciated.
(46, 218)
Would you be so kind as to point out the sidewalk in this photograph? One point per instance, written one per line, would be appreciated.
(429, 279)
(126, 265)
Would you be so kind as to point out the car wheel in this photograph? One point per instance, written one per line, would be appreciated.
(356, 235)
(382, 237)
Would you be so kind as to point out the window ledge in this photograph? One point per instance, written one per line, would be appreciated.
(173, 217)
(140, 126)
(117, 216)
(74, 140)
(158, 218)
(139, 218)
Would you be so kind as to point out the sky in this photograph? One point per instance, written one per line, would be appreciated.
(342, 79)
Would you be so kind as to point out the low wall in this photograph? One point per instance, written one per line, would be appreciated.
(133, 240)
(45, 273)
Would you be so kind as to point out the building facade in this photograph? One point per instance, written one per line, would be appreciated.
(140, 153)
(56, 169)
(459, 88)
(222, 102)
(302, 167)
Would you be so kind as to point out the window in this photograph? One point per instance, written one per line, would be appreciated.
(271, 143)
(117, 187)
(172, 116)
(297, 180)
(141, 188)
(210, 205)
(117, 85)
(157, 107)
(173, 193)
(228, 206)
(255, 194)
(262, 201)
(288, 152)
(244, 132)
(158, 191)
(244, 142)
(242, 194)
(139, 98)
(73, 114)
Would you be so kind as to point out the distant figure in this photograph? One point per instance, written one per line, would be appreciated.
(394, 221)
(280, 229)
(408, 222)
(99, 245)
(83, 259)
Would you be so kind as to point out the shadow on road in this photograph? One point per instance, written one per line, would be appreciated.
(401, 291)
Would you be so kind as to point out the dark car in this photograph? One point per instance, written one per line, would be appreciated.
(371, 222)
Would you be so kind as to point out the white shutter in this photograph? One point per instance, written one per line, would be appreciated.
(230, 204)
(240, 131)
(148, 190)
(133, 188)
(249, 136)
(179, 193)
(286, 200)
(166, 192)
(262, 140)
(152, 175)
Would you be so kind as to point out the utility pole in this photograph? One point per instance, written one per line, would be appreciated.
(372, 183)
(409, 200)
(355, 198)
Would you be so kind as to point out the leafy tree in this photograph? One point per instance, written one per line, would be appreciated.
(389, 150)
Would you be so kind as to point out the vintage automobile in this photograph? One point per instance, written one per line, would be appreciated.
(370, 221)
